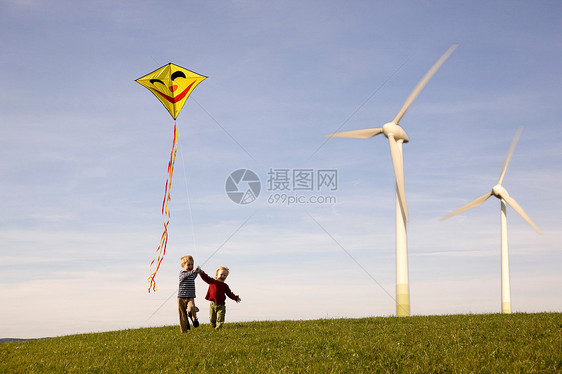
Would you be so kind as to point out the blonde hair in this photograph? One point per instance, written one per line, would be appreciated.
(185, 259)
(222, 268)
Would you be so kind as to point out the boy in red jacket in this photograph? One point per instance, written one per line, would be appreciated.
(218, 290)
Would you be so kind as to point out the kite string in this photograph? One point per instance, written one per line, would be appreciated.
(161, 250)
(187, 195)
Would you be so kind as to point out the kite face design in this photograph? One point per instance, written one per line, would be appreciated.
(172, 85)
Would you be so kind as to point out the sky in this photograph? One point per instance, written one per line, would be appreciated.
(84, 151)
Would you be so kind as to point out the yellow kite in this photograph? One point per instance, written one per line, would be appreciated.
(172, 85)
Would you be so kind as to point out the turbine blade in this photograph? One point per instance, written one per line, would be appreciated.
(509, 153)
(512, 203)
(472, 204)
(362, 134)
(422, 83)
(398, 164)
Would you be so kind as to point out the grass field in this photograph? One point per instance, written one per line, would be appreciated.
(492, 343)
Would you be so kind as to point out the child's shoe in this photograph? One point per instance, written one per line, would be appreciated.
(195, 321)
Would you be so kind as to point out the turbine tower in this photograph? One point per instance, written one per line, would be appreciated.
(501, 193)
(396, 137)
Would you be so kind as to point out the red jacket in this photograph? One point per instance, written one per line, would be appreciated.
(218, 291)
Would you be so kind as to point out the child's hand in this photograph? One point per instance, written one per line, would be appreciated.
(238, 300)
(198, 270)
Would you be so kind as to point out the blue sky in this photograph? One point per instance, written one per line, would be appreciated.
(84, 150)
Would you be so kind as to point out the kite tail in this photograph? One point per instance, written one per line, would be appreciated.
(161, 250)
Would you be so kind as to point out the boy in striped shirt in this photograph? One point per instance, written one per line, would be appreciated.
(186, 294)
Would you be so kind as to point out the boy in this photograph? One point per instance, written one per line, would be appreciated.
(186, 294)
(218, 290)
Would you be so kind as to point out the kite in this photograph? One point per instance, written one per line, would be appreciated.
(172, 85)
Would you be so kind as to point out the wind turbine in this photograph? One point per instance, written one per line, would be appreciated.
(501, 193)
(396, 137)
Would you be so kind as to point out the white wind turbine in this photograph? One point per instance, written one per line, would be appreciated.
(396, 136)
(501, 193)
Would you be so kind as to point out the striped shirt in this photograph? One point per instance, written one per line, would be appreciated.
(187, 284)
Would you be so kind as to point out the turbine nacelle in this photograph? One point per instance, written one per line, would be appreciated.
(394, 130)
(499, 191)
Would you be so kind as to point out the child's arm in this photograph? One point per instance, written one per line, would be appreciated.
(206, 278)
(230, 294)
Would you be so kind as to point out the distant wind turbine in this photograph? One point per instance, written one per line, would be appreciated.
(396, 137)
(501, 193)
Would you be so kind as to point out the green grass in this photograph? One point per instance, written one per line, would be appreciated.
(516, 343)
